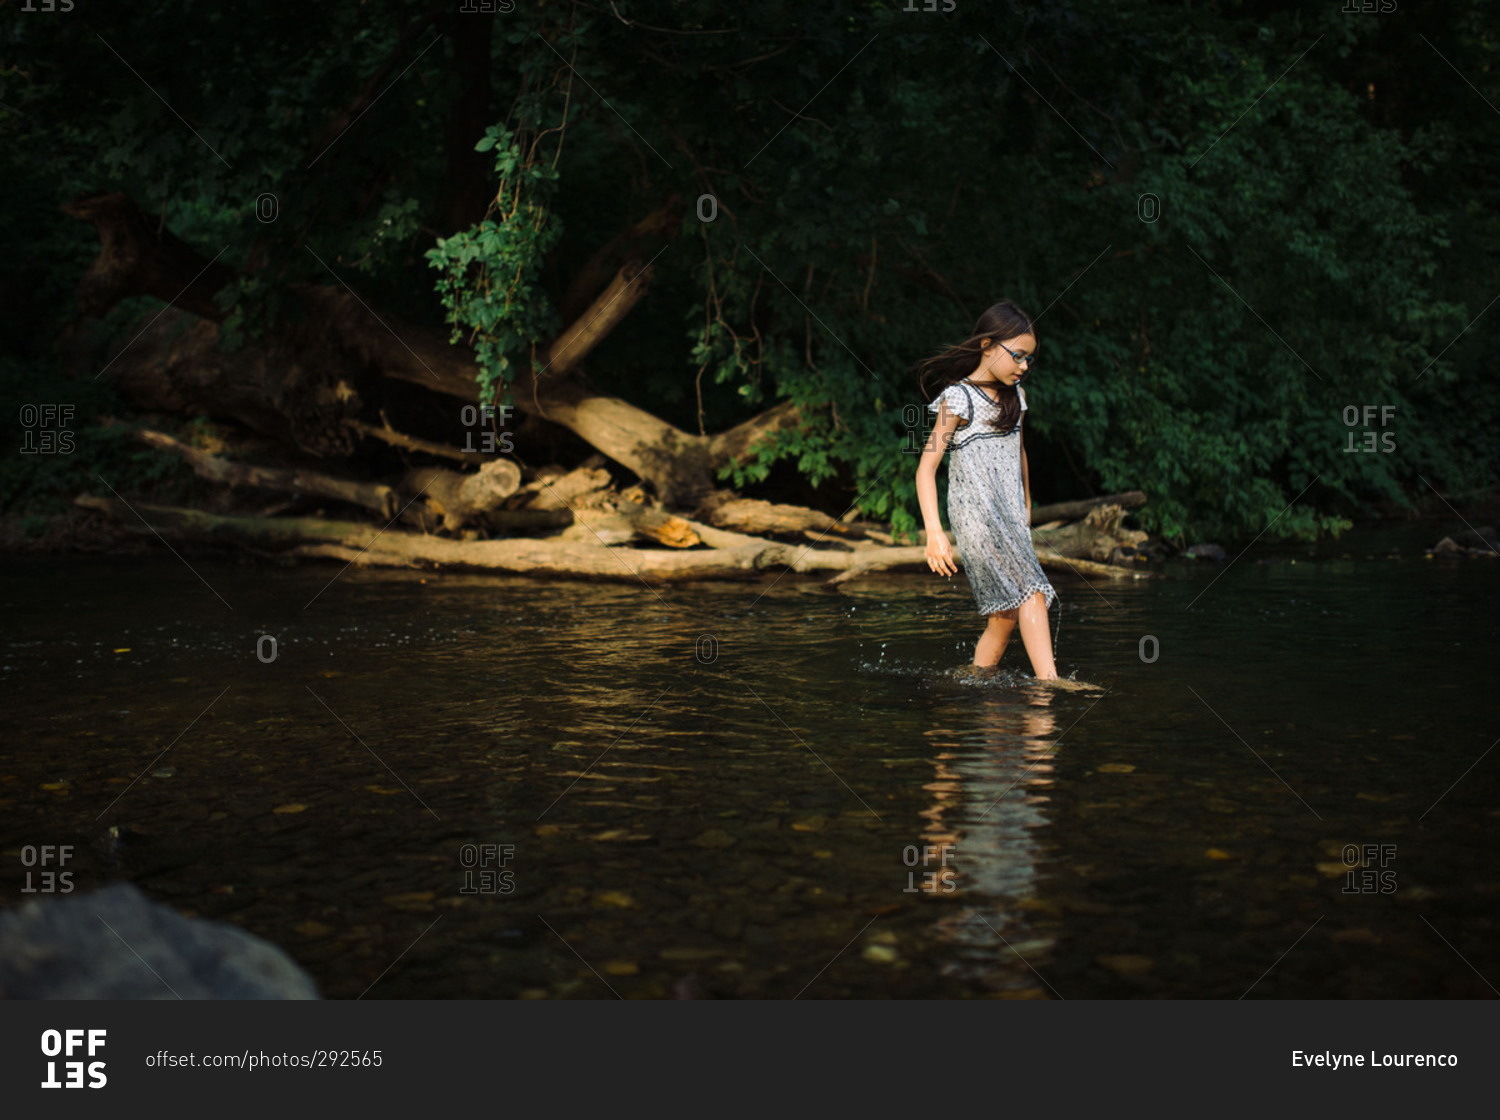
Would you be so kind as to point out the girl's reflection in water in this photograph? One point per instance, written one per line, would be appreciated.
(979, 844)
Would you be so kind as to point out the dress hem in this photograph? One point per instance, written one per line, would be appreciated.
(1047, 590)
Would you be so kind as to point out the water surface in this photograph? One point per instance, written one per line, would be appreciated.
(444, 785)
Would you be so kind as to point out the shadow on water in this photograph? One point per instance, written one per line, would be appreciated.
(452, 785)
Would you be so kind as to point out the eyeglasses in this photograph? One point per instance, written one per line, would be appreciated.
(1018, 358)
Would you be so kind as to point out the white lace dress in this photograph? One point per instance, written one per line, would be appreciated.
(987, 503)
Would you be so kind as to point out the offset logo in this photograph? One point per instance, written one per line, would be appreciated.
(492, 860)
(47, 882)
(66, 1044)
(942, 881)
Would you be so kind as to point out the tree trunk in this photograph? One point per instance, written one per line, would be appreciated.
(1094, 538)
(372, 496)
(1072, 511)
(595, 273)
(574, 554)
(372, 546)
(726, 510)
(303, 385)
(138, 256)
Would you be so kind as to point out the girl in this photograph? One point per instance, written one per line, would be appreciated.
(979, 408)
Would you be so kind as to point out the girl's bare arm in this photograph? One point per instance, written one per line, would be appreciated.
(932, 454)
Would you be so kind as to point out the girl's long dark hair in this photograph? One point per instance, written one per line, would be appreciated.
(1000, 321)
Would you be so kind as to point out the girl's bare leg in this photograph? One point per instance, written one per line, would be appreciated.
(993, 641)
(1037, 638)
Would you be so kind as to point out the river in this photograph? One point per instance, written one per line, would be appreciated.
(429, 785)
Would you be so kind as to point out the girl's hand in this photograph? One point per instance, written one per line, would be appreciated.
(940, 554)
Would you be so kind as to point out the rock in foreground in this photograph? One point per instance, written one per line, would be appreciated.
(116, 943)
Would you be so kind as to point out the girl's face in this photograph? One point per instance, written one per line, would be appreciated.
(999, 363)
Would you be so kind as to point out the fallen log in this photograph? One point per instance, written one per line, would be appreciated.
(513, 521)
(595, 527)
(212, 468)
(659, 526)
(722, 538)
(302, 384)
(727, 510)
(629, 523)
(529, 557)
(881, 559)
(1094, 538)
(460, 499)
(266, 532)
(376, 546)
(1080, 567)
(568, 490)
(296, 388)
(1073, 511)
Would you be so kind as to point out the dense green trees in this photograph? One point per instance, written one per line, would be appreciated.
(1239, 224)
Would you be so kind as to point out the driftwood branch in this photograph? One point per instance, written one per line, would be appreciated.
(1081, 567)
(427, 447)
(1072, 511)
(586, 282)
(568, 490)
(881, 559)
(373, 546)
(213, 468)
(726, 510)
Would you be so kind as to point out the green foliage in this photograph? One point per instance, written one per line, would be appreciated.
(1327, 234)
(491, 283)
